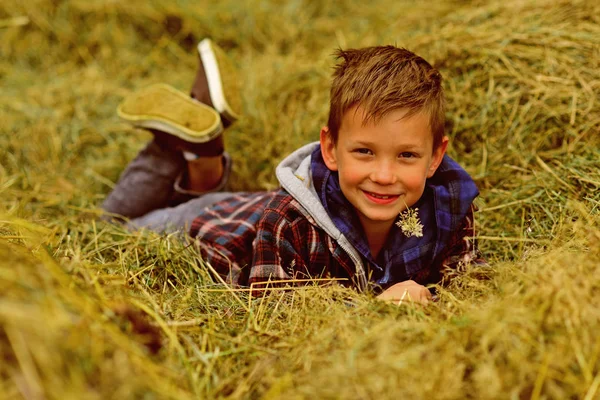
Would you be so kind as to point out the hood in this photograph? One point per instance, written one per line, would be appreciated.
(294, 175)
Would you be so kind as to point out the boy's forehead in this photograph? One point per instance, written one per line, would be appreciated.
(357, 117)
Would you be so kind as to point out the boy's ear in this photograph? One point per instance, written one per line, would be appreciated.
(438, 155)
(328, 149)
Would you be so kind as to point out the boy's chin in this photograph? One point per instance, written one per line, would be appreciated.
(376, 218)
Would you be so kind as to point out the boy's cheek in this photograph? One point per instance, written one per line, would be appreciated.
(416, 185)
(351, 175)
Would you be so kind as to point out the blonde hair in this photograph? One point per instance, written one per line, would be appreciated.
(382, 79)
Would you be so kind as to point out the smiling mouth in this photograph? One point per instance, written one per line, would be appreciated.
(381, 197)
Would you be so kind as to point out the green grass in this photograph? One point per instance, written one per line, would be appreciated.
(82, 302)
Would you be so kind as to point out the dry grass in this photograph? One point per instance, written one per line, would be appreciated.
(88, 310)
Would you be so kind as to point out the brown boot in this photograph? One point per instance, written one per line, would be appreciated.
(193, 124)
(216, 83)
(175, 119)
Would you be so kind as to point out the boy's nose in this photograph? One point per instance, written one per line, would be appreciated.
(383, 174)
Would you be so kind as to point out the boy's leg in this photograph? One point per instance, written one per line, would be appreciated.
(201, 175)
(160, 175)
(191, 198)
(204, 173)
(191, 123)
(179, 218)
(147, 182)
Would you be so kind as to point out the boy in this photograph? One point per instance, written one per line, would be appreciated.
(347, 204)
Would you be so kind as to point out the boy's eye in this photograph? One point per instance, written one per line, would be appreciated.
(363, 151)
(407, 154)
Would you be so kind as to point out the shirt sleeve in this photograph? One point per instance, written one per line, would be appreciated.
(463, 249)
(278, 249)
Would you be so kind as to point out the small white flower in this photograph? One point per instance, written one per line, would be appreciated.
(409, 222)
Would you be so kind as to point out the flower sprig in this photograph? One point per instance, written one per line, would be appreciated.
(409, 222)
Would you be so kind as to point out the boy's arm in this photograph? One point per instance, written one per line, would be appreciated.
(463, 248)
(279, 247)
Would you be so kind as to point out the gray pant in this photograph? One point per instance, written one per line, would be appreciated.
(149, 192)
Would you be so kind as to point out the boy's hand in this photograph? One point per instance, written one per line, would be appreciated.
(406, 291)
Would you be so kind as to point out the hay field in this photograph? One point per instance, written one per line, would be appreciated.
(90, 311)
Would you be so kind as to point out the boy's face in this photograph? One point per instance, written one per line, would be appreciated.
(382, 167)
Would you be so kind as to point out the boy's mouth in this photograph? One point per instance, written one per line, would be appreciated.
(381, 198)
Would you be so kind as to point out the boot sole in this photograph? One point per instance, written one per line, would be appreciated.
(215, 83)
(166, 109)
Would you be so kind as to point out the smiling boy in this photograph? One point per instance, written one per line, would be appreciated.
(382, 151)
(382, 167)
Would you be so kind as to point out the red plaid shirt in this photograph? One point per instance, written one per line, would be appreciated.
(257, 237)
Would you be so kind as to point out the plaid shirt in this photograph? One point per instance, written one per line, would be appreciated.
(257, 237)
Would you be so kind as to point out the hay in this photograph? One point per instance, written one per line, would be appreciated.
(88, 310)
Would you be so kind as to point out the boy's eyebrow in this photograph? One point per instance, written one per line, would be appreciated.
(407, 146)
